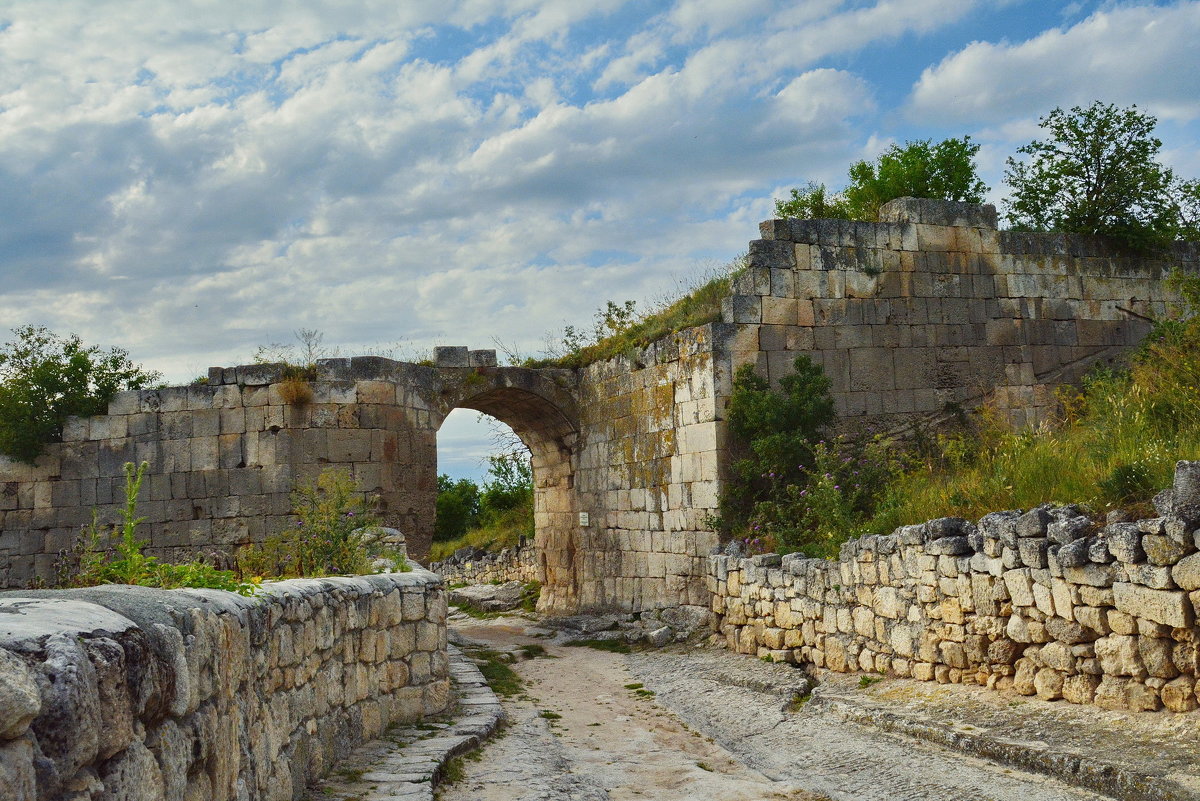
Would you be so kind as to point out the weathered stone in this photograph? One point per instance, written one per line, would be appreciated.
(1161, 550)
(1048, 684)
(1186, 572)
(1080, 689)
(1185, 491)
(1033, 552)
(1179, 695)
(1119, 655)
(1033, 523)
(948, 546)
(1125, 542)
(20, 702)
(1074, 553)
(1162, 606)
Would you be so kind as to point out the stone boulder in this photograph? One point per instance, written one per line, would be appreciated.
(489, 597)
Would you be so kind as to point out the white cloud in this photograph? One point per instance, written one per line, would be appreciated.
(1139, 54)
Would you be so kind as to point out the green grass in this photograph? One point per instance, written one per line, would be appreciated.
(866, 681)
(699, 304)
(613, 646)
(505, 531)
(533, 651)
(548, 715)
(637, 685)
(500, 677)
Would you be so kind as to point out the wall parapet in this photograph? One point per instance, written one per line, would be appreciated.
(128, 692)
(1044, 602)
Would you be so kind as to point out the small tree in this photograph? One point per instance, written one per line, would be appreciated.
(944, 171)
(777, 430)
(1098, 173)
(457, 508)
(44, 379)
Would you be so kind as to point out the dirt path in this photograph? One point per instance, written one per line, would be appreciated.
(579, 732)
(599, 726)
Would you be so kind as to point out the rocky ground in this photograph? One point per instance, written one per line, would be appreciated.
(688, 722)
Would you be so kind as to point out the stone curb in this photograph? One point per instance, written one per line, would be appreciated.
(409, 765)
(1082, 771)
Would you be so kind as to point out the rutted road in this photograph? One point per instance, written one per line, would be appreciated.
(579, 733)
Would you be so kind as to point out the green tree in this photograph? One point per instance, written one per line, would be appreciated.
(1098, 173)
(457, 508)
(944, 171)
(44, 379)
(777, 431)
(509, 486)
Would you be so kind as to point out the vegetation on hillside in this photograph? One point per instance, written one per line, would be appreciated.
(491, 517)
(619, 329)
(1114, 445)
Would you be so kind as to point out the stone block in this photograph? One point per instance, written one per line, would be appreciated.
(1171, 608)
(451, 356)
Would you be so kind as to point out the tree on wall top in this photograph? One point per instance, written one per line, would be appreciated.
(943, 171)
(1098, 173)
(45, 378)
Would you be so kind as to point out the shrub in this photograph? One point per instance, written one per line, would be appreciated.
(336, 533)
(775, 433)
(44, 379)
(93, 561)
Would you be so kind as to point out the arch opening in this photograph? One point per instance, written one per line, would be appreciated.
(550, 437)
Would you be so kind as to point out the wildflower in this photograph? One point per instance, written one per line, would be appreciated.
(836, 487)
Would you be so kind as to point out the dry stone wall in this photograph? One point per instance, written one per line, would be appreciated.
(202, 695)
(1042, 602)
(476, 566)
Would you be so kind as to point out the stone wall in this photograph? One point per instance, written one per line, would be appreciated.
(914, 319)
(200, 695)
(224, 458)
(474, 566)
(647, 475)
(1043, 602)
(934, 310)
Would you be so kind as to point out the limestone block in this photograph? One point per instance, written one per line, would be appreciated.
(1080, 689)
(1186, 573)
(1179, 695)
(1162, 606)
(1048, 684)
(1125, 542)
(20, 701)
(1119, 655)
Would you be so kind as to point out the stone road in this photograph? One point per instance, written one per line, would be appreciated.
(709, 725)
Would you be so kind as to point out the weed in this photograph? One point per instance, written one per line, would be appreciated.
(637, 685)
(453, 771)
(767, 658)
(797, 702)
(548, 715)
(500, 677)
(644, 693)
(471, 610)
(866, 681)
(351, 774)
(613, 646)
(295, 391)
(534, 651)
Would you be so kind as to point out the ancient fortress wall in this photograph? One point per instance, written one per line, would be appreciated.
(224, 458)
(195, 695)
(934, 310)
(914, 319)
(1044, 603)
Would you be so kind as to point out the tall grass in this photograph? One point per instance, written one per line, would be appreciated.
(502, 530)
(699, 304)
(1114, 446)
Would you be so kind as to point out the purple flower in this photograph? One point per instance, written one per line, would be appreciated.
(836, 487)
(299, 523)
(803, 493)
(772, 475)
(349, 514)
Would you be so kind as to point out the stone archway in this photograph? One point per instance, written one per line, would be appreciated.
(542, 412)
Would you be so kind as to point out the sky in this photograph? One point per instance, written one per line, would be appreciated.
(192, 180)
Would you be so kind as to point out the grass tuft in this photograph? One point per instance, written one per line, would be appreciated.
(612, 646)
